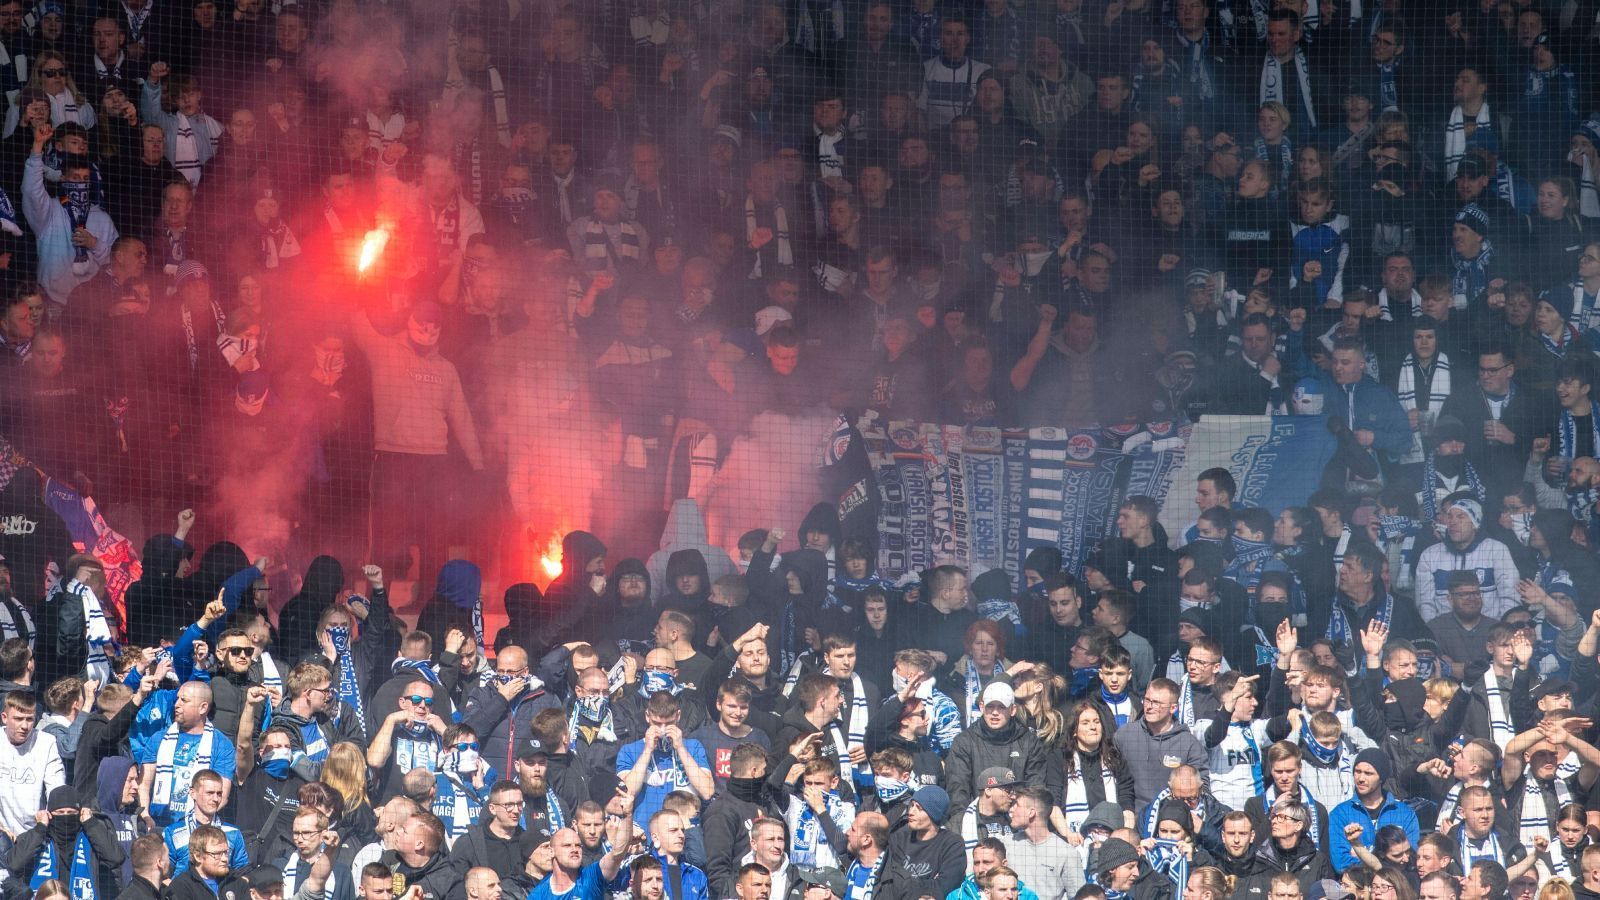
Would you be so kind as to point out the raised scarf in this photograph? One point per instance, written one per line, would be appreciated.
(80, 877)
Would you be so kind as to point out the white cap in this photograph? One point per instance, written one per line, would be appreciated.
(768, 318)
(1001, 693)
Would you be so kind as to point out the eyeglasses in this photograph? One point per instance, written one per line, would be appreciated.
(419, 700)
(509, 804)
(1202, 661)
(325, 690)
(52, 73)
(1491, 370)
(313, 833)
(217, 852)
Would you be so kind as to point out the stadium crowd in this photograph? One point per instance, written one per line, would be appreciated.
(414, 268)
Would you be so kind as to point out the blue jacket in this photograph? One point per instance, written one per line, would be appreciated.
(1393, 812)
(969, 890)
(1377, 410)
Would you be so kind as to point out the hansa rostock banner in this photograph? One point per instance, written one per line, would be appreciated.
(981, 498)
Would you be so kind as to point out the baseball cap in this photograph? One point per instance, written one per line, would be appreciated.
(830, 878)
(533, 747)
(1001, 693)
(997, 776)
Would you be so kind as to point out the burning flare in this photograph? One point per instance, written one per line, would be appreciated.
(551, 560)
(372, 248)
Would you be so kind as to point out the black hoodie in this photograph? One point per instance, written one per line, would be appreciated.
(159, 602)
(695, 605)
(297, 623)
(615, 621)
(569, 600)
(1015, 747)
(525, 614)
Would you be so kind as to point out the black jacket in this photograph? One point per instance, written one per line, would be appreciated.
(105, 856)
(1015, 747)
(438, 877)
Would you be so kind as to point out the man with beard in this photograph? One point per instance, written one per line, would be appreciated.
(748, 661)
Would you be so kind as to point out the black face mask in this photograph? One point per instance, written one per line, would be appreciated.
(1449, 465)
(749, 790)
(1269, 615)
(64, 828)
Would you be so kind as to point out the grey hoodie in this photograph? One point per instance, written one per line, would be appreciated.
(1152, 757)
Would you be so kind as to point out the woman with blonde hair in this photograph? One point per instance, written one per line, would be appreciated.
(1207, 883)
(346, 773)
(54, 889)
(1037, 689)
(53, 78)
(1556, 889)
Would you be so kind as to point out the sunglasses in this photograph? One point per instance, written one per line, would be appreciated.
(418, 699)
(236, 651)
(52, 73)
(471, 746)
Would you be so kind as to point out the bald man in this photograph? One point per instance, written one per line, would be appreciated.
(501, 712)
(571, 876)
(168, 760)
(482, 884)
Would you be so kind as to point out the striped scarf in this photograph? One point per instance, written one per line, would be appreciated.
(186, 150)
(1075, 807)
(780, 234)
(171, 790)
(1470, 277)
(1494, 696)
(1285, 158)
(1340, 630)
(1166, 857)
(1488, 848)
(421, 667)
(187, 319)
(600, 252)
(1585, 310)
(97, 633)
(1430, 477)
(502, 114)
(591, 718)
(1536, 818)
(348, 687)
(1567, 434)
(1272, 82)
(1147, 824)
(1436, 392)
(973, 683)
(416, 746)
(1455, 136)
(270, 676)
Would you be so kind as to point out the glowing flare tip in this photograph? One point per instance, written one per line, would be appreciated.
(552, 567)
(371, 248)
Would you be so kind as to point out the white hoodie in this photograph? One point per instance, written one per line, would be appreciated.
(27, 776)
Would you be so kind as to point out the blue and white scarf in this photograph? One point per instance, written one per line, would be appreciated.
(76, 198)
(1252, 753)
(80, 878)
(168, 778)
(974, 691)
(1430, 478)
(1568, 435)
(594, 713)
(1494, 697)
(1470, 277)
(8, 216)
(1168, 859)
(1491, 849)
(1120, 704)
(1339, 626)
(349, 689)
(100, 644)
(1325, 755)
(421, 667)
(651, 683)
(807, 838)
(416, 746)
(1535, 818)
(1281, 163)
(1153, 813)
(889, 790)
(1075, 806)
